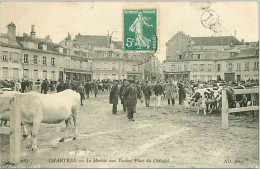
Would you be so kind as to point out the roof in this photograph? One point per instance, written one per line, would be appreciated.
(247, 52)
(215, 41)
(50, 45)
(10, 41)
(4, 35)
(93, 40)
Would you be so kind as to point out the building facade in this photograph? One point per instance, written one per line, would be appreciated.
(210, 58)
(11, 67)
(85, 57)
(34, 58)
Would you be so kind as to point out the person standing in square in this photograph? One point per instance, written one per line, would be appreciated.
(81, 91)
(113, 97)
(158, 91)
(170, 90)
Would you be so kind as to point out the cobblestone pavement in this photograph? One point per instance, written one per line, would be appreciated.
(167, 137)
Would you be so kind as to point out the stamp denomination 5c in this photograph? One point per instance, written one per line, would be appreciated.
(140, 30)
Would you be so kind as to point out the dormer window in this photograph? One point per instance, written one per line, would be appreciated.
(44, 47)
(5, 56)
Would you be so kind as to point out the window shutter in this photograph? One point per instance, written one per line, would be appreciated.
(22, 58)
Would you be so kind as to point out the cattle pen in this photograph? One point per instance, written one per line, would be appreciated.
(226, 110)
(14, 131)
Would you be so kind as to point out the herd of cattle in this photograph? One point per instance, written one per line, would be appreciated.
(209, 99)
(36, 108)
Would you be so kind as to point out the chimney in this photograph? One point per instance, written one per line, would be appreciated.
(11, 31)
(33, 33)
(108, 40)
(25, 35)
(243, 41)
(69, 36)
(48, 38)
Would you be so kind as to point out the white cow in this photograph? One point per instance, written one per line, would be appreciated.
(36, 108)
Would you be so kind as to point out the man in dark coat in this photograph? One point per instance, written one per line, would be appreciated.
(44, 86)
(113, 97)
(95, 89)
(81, 91)
(147, 93)
(182, 94)
(131, 94)
(158, 91)
(121, 94)
(23, 86)
(87, 88)
(60, 86)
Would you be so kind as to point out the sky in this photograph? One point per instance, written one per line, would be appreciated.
(97, 18)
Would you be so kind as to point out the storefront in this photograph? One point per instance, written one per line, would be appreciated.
(77, 74)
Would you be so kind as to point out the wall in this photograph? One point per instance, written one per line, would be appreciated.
(13, 62)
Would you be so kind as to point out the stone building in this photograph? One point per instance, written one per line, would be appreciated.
(109, 61)
(40, 58)
(34, 58)
(78, 61)
(11, 67)
(209, 58)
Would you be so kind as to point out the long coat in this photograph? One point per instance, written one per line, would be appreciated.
(170, 90)
(87, 87)
(113, 97)
(95, 88)
(158, 89)
(147, 91)
(121, 93)
(182, 94)
(131, 94)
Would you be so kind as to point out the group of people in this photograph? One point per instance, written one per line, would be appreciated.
(129, 91)
(24, 86)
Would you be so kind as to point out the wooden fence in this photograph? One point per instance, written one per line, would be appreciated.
(14, 131)
(225, 110)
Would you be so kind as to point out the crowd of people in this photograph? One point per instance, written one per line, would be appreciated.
(126, 92)
(129, 91)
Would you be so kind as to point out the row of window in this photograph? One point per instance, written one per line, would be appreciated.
(113, 66)
(209, 67)
(202, 78)
(238, 66)
(6, 73)
(195, 67)
(109, 54)
(15, 74)
(77, 64)
(36, 74)
(11, 56)
(36, 60)
(108, 76)
(58, 49)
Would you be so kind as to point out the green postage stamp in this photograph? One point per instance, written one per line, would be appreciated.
(140, 30)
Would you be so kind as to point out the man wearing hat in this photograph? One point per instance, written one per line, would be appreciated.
(81, 91)
(87, 88)
(121, 95)
(113, 97)
(158, 91)
(147, 93)
(131, 94)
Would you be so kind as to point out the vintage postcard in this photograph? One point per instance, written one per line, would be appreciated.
(129, 84)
